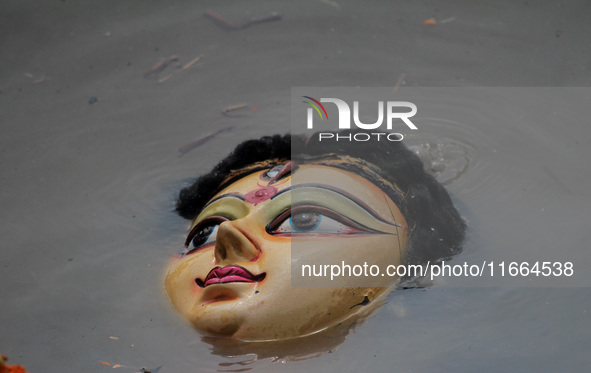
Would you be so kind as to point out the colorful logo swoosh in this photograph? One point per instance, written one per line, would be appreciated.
(317, 106)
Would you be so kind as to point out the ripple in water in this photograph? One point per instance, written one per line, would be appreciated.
(446, 161)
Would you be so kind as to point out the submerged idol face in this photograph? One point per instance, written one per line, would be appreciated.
(234, 278)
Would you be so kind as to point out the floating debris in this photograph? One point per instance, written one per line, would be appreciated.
(447, 20)
(92, 100)
(332, 3)
(232, 108)
(154, 72)
(144, 370)
(220, 21)
(231, 26)
(4, 368)
(192, 62)
(162, 80)
(35, 81)
(192, 145)
(255, 21)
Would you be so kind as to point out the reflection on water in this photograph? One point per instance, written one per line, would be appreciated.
(87, 190)
(289, 350)
(278, 351)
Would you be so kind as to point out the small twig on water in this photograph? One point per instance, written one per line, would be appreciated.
(162, 80)
(254, 21)
(154, 72)
(234, 108)
(220, 21)
(192, 62)
(192, 145)
(447, 20)
(231, 26)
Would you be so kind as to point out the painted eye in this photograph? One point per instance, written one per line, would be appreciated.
(305, 221)
(205, 235)
(315, 220)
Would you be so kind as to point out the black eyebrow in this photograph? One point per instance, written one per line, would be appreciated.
(343, 193)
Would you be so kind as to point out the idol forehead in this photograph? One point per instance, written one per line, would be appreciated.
(317, 176)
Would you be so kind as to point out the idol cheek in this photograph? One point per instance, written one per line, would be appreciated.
(179, 282)
(214, 309)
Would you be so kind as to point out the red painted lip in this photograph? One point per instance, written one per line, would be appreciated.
(230, 273)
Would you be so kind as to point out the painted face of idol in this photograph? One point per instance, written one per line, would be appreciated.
(234, 278)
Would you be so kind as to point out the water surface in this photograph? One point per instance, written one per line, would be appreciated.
(90, 167)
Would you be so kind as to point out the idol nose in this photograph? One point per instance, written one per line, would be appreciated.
(232, 245)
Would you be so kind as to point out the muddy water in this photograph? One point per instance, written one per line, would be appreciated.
(90, 167)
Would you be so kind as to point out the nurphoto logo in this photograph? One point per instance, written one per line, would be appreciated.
(391, 113)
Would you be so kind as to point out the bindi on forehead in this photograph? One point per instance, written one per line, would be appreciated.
(268, 184)
(272, 176)
(261, 194)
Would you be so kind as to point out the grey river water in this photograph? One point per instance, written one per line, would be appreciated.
(90, 168)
